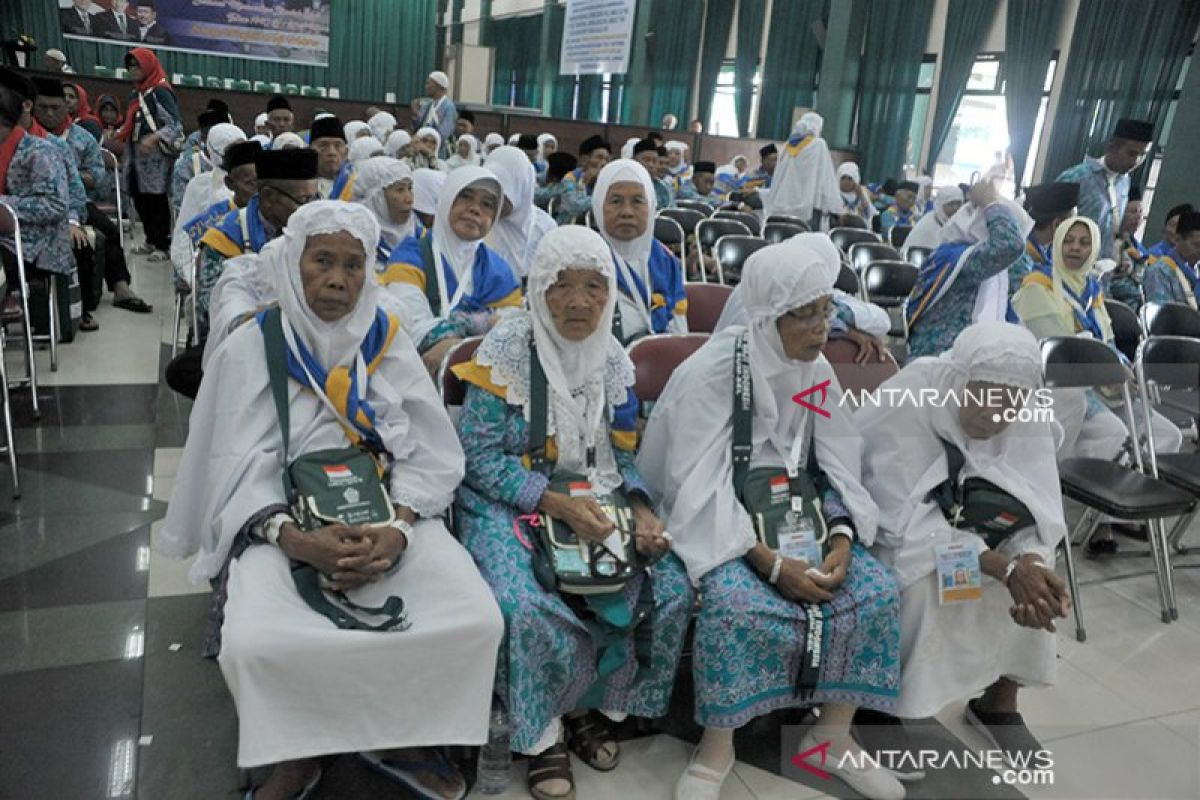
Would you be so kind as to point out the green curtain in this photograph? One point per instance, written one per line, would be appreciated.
(718, 17)
(789, 73)
(562, 92)
(1125, 60)
(671, 55)
(376, 46)
(967, 22)
(1031, 30)
(749, 40)
(517, 40)
(591, 96)
(887, 82)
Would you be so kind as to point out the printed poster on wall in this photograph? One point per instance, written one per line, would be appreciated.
(295, 31)
(596, 36)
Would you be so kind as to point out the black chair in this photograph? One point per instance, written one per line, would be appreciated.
(898, 234)
(1102, 485)
(751, 221)
(1127, 333)
(863, 253)
(776, 232)
(855, 221)
(1170, 319)
(844, 237)
(847, 281)
(917, 256)
(731, 252)
(687, 218)
(670, 233)
(888, 283)
(789, 220)
(698, 206)
(708, 231)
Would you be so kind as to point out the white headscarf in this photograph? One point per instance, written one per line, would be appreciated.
(514, 138)
(371, 178)
(515, 237)
(261, 120)
(459, 252)
(287, 139)
(364, 147)
(848, 169)
(354, 129)
(634, 256)
(543, 138)
(927, 231)
(804, 182)
(262, 139)
(945, 195)
(381, 126)
(904, 458)
(491, 142)
(627, 148)
(425, 132)
(220, 136)
(674, 145)
(396, 141)
(472, 159)
(333, 344)
(427, 188)
(587, 379)
(686, 452)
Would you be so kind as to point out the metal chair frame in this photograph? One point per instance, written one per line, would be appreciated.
(700, 227)
(30, 363)
(683, 244)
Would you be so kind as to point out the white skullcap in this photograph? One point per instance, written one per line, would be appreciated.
(396, 141)
(680, 146)
(56, 54)
(287, 139)
(364, 147)
(440, 78)
(260, 120)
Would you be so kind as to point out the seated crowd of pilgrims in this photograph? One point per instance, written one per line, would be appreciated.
(546, 551)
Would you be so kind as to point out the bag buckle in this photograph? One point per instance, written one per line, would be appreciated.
(532, 520)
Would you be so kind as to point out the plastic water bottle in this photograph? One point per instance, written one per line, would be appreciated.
(495, 757)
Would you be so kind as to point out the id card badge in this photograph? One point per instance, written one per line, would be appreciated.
(959, 576)
(798, 538)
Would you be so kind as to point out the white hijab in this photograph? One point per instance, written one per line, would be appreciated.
(287, 139)
(491, 142)
(396, 141)
(969, 225)
(427, 188)
(459, 252)
(372, 177)
(364, 147)
(381, 126)
(587, 379)
(354, 129)
(805, 182)
(927, 231)
(516, 236)
(686, 452)
(542, 140)
(472, 159)
(904, 458)
(627, 148)
(428, 132)
(633, 256)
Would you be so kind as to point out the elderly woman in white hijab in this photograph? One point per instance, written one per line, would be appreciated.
(928, 230)
(865, 324)
(804, 183)
(553, 673)
(202, 192)
(972, 275)
(356, 129)
(305, 688)
(427, 188)
(470, 285)
(381, 126)
(466, 153)
(856, 200)
(978, 600)
(397, 144)
(362, 148)
(651, 298)
(764, 500)
(422, 152)
(547, 144)
(491, 142)
(385, 186)
(521, 225)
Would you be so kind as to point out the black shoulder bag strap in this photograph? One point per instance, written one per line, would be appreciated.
(949, 494)
(618, 326)
(809, 674)
(431, 275)
(539, 405)
(305, 576)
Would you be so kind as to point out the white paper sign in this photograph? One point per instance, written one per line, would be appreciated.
(596, 36)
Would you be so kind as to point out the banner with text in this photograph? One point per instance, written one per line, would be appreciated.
(295, 31)
(596, 37)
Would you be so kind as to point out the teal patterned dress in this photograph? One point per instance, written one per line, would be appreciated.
(547, 662)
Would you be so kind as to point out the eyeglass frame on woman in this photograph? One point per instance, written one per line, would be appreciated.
(810, 318)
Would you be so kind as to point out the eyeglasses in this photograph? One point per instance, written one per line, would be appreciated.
(810, 318)
(297, 200)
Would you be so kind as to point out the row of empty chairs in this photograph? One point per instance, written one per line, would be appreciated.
(235, 84)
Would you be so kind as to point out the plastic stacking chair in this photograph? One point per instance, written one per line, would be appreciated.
(856, 222)
(291, 88)
(655, 357)
(243, 85)
(888, 283)
(708, 231)
(262, 86)
(844, 237)
(101, 71)
(10, 225)
(705, 302)
(847, 281)
(751, 221)
(213, 82)
(116, 208)
(776, 232)
(699, 206)
(309, 91)
(857, 378)
(788, 219)
(898, 234)
(687, 218)
(731, 253)
(670, 233)
(863, 253)
(1102, 485)
(1170, 319)
(917, 256)
(1127, 333)
(453, 390)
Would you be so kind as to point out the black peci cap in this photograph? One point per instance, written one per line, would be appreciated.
(297, 164)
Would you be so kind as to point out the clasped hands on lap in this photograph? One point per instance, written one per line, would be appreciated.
(348, 556)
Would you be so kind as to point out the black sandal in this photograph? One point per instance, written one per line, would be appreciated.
(135, 304)
(587, 735)
(550, 765)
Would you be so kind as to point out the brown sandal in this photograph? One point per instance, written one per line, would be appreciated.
(550, 765)
(587, 735)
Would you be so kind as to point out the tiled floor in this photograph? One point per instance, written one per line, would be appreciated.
(103, 693)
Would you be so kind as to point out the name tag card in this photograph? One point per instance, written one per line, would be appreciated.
(959, 576)
(798, 539)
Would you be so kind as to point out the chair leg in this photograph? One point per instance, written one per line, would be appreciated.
(8, 428)
(1088, 522)
(1159, 527)
(1152, 538)
(30, 361)
(175, 325)
(1180, 530)
(1073, 582)
(55, 323)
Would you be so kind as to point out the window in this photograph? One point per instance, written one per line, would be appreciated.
(1164, 137)
(722, 118)
(978, 138)
(920, 115)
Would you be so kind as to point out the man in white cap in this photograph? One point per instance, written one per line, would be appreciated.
(56, 61)
(437, 110)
